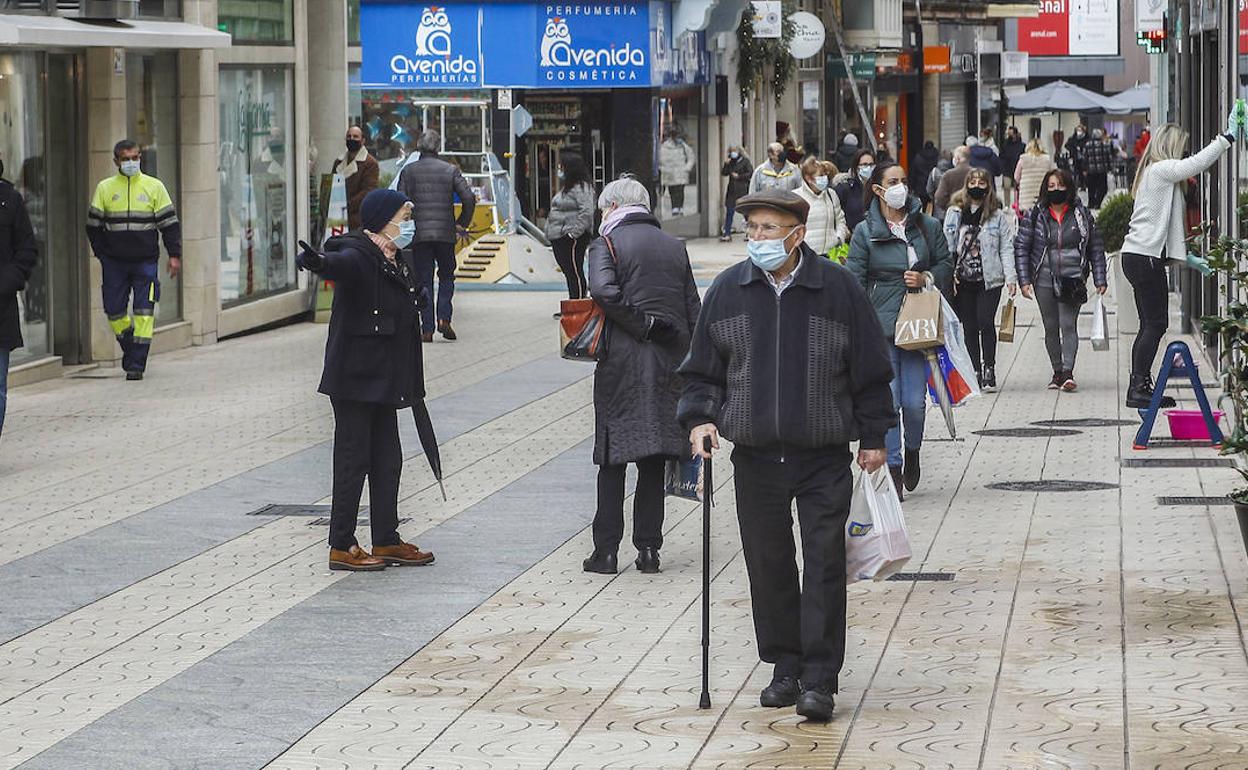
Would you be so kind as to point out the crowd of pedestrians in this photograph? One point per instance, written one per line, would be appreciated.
(794, 354)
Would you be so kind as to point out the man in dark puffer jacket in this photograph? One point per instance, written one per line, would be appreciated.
(432, 184)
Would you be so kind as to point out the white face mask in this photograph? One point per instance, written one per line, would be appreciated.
(896, 196)
(821, 182)
(129, 167)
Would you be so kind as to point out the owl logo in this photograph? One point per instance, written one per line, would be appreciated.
(433, 36)
(556, 39)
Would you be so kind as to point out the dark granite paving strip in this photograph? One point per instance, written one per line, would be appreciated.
(62, 578)
(244, 705)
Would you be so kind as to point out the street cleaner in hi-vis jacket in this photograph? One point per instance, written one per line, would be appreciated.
(127, 211)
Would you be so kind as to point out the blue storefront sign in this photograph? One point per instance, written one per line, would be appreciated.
(421, 46)
(505, 44)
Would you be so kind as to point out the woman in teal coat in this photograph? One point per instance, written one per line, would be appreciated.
(896, 249)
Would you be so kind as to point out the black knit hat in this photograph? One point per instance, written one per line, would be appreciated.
(379, 207)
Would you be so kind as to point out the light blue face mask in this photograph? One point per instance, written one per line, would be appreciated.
(769, 255)
(407, 231)
(130, 167)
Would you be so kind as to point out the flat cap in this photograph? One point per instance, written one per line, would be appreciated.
(778, 200)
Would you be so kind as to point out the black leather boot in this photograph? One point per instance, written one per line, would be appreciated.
(604, 563)
(1140, 393)
(648, 561)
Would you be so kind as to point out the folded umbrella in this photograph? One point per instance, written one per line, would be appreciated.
(939, 384)
(428, 441)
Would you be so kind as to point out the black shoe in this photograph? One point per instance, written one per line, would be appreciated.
(1140, 393)
(816, 704)
(989, 380)
(444, 328)
(602, 563)
(913, 472)
(648, 561)
(557, 315)
(898, 484)
(783, 691)
(134, 376)
(1058, 378)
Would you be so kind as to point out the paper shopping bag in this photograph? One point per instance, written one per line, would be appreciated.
(1100, 325)
(1006, 332)
(919, 324)
(876, 542)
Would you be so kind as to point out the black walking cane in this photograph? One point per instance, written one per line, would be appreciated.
(708, 485)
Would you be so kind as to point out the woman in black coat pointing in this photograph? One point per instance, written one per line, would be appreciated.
(373, 368)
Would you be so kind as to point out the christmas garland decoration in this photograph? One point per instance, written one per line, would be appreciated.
(763, 59)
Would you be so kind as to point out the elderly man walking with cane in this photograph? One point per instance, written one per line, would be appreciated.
(788, 361)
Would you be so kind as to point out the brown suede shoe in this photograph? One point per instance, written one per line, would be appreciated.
(402, 555)
(356, 560)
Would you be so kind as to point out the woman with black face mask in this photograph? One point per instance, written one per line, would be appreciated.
(1057, 246)
(982, 244)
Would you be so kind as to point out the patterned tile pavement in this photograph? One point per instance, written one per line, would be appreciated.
(1081, 629)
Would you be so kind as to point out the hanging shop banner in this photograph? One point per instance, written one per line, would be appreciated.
(420, 46)
(863, 65)
(1071, 28)
(566, 45)
(1243, 27)
(936, 59)
(506, 44)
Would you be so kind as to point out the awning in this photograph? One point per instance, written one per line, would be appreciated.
(31, 30)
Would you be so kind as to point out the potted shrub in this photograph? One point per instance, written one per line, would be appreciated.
(1114, 219)
(1229, 259)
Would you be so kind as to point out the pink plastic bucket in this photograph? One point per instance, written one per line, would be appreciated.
(1189, 424)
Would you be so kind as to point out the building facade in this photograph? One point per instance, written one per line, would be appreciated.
(219, 95)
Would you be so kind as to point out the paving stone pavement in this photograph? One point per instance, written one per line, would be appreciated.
(146, 621)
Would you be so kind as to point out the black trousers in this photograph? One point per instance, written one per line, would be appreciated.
(1151, 285)
(977, 310)
(570, 256)
(800, 629)
(1098, 185)
(366, 443)
(677, 191)
(647, 506)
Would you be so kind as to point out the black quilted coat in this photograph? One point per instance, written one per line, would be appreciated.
(432, 185)
(636, 386)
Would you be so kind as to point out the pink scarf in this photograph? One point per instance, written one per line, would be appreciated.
(612, 220)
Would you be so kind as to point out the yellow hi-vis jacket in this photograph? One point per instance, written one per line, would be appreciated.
(126, 213)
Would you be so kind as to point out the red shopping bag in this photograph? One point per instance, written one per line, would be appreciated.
(955, 384)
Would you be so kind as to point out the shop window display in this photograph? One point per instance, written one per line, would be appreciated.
(22, 151)
(257, 183)
(152, 121)
(676, 155)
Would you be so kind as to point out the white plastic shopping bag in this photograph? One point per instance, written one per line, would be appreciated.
(1100, 325)
(876, 541)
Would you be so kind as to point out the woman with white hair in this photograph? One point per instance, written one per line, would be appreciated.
(642, 279)
(1156, 235)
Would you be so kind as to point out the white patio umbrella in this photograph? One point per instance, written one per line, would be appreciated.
(1060, 96)
(1139, 98)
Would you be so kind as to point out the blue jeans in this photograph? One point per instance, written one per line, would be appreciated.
(730, 210)
(427, 255)
(4, 383)
(910, 399)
